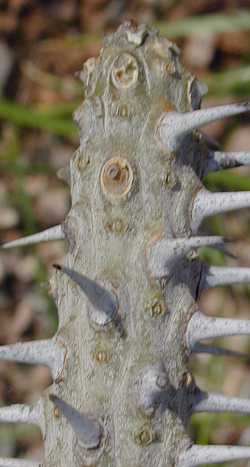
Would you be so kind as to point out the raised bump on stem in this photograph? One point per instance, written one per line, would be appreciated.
(152, 383)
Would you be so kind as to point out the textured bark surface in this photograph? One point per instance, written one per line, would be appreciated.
(136, 188)
(137, 78)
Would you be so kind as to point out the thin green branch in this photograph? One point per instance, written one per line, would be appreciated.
(225, 180)
(29, 117)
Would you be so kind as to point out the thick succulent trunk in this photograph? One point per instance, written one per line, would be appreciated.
(127, 293)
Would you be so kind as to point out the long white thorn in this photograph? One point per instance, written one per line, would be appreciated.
(219, 351)
(227, 160)
(202, 327)
(220, 403)
(44, 352)
(5, 462)
(219, 275)
(22, 413)
(173, 126)
(165, 253)
(53, 233)
(100, 298)
(86, 428)
(198, 455)
(208, 204)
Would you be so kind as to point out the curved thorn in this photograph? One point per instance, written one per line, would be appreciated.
(53, 233)
(202, 327)
(197, 455)
(8, 462)
(100, 298)
(202, 348)
(219, 403)
(219, 275)
(23, 413)
(164, 254)
(87, 429)
(227, 160)
(208, 204)
(44, 352)
(173, 126)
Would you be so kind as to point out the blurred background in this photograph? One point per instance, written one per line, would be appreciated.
(42, 46)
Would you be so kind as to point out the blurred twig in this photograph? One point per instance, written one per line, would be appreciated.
(67, 85)
(230, 82)
(207, 24)
(200, 25)
(32, 118)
